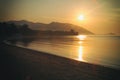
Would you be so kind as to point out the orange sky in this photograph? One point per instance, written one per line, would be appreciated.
(101, 16)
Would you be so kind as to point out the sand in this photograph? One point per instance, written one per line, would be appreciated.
(25, 64)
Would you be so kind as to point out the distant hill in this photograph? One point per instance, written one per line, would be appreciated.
(54, 26)
(32, 25)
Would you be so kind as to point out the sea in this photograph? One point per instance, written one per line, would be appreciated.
(95, 49)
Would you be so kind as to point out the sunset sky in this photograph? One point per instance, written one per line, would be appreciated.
(100, 16)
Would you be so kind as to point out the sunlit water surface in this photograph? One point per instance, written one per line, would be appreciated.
(101, 50)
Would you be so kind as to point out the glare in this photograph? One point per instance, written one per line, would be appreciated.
(81, 37)
(81, 17)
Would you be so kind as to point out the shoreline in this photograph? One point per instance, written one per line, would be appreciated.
(37, 65)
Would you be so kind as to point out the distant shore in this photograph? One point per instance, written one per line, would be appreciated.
(25, 64)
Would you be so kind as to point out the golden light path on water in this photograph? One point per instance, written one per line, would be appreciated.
(81, 47)
(80, 53)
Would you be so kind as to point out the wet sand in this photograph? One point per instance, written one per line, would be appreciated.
(25, 64)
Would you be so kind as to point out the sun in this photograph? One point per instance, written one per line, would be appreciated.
(81, 17)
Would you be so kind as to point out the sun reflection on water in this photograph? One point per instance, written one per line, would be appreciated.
(81, 37)
(80, 53)
(81, 47)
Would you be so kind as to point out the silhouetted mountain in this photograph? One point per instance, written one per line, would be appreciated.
(54, 26)
(110, 33)
(34, 26)
(67, 27)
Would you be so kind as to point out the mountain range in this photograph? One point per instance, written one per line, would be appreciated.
(54, 26)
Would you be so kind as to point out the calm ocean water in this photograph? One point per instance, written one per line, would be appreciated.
(101, 50)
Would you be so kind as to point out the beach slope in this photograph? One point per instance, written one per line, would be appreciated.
(25, 64)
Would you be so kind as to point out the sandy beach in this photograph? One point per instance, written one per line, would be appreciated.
(25, 64)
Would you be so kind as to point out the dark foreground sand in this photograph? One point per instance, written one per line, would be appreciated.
(24, 64)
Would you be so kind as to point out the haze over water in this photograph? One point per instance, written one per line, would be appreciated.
(101, 50)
